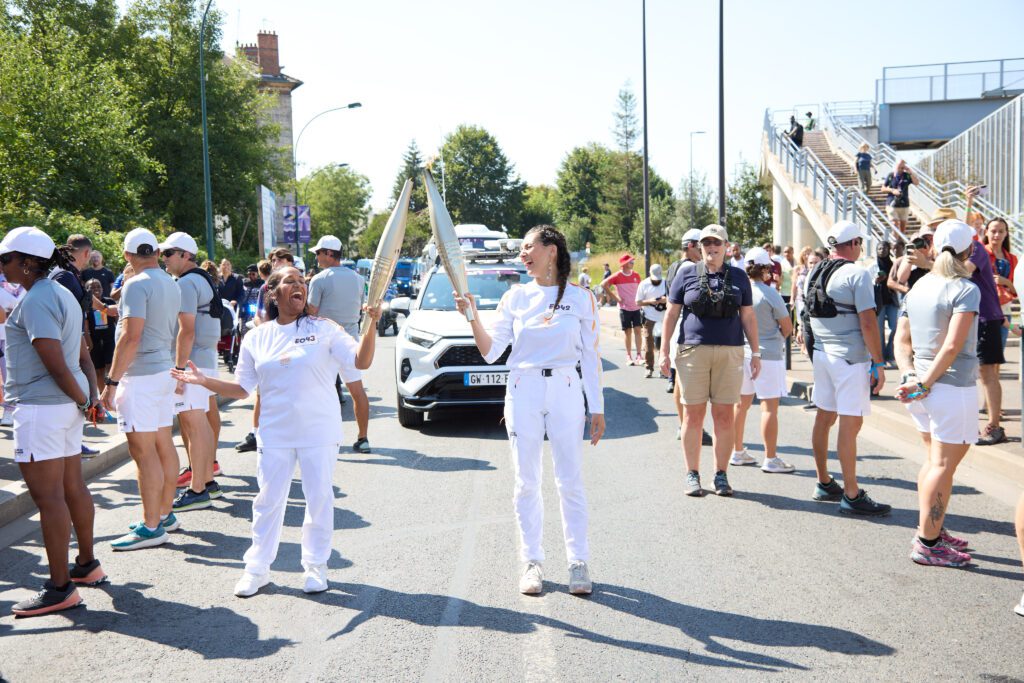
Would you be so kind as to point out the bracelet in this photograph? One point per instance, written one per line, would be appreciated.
(177, 368)
(756, 354)
(85, 406)
(922, 390)
(109, 382)
(875, 366)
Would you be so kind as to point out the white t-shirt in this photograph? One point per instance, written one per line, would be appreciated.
(568, 337)
(649, 290)
(584, 280)
(294, 366)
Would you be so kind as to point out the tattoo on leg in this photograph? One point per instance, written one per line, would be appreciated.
(936, 511)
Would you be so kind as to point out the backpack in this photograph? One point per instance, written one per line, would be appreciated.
(216, 308)
(817, 302)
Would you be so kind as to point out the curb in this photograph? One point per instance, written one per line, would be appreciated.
(15, 500)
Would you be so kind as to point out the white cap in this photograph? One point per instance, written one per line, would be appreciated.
(843, 232)
(758, 256)
(140, 237)
(327, 242)
(656, 271)
(28, 240)
(716, 231)
(691, 235)
(180, 240)
(955, 234)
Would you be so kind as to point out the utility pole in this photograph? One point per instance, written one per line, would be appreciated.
(207, 190)
(721, 113)
(647, 188)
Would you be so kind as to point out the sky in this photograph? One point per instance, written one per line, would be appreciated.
(542, 76)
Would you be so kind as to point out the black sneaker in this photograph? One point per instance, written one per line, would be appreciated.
(247, 445)
(48, 600)
(693, 484)
(671, 388)
(830, 492)
(705, 439)
(362, 445)
(190, 500)
(213, 488)
(90, 574)
(992, 436)
(863, 505)
(722, 487)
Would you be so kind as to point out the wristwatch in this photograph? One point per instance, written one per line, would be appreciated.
(755, 354)
(109, 382)
(905, 377)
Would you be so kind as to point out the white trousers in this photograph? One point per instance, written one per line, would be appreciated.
(274, 470)
(535, 405)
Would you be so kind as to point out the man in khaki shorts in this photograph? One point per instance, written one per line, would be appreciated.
(716, 303)
(897, 186)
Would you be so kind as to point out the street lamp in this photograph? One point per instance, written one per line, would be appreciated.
(721, 113)
(206, 140)
(693, 217)
(647, 188)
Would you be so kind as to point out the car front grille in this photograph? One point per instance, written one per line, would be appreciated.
(463, 356)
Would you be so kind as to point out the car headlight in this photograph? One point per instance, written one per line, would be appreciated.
(421, 338)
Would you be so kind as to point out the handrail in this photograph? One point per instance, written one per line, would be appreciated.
(929, 195)
(846, 203)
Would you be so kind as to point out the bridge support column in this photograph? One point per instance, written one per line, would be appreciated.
(803, 233)
(782, 228)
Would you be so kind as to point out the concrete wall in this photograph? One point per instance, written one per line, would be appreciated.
(923, 123)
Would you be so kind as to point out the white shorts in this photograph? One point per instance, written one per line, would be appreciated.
(948, 413)
(195, 396)
(770, 382)
(352, 375)
(841, 387)
(47, 432)
(145, 403)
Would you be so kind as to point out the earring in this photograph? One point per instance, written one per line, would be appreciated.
(550, 274)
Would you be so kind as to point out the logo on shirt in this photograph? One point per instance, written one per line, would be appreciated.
(303, 341)
(559, 307)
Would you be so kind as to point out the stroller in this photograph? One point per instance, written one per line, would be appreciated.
(230, 343)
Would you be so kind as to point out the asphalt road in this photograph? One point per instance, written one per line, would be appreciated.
(424, 573)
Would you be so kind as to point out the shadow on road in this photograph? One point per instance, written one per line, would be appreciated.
(705, 626)
(414, 460)
(628, 415)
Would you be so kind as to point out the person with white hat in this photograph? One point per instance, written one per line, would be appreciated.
(936, 341)
(715, 299)
(140, 389)
(196, 340)
(338, 293)
(651, 296)
(773, 329)
(51, 395)
(839, 311)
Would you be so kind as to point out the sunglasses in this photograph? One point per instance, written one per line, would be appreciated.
(168, 253)
(711, 242)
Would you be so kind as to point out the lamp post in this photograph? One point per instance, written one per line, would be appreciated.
(693, 213)
(647, 188)
(721, 113)
(208, 192)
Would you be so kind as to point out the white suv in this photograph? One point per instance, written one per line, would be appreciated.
(437, 364)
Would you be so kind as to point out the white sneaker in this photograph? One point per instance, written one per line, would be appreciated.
(579, 579)
(1019, 609)
(777, 466)
(316, 579)
(532, 580)
(8, 419)
(250, 584)
(679, 434)
(742, 458)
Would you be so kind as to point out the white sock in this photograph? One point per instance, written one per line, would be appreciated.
(152, 531)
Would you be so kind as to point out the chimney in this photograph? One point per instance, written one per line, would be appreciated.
(266, 45)
(251, 53)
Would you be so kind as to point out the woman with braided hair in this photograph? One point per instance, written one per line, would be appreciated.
(555, 362)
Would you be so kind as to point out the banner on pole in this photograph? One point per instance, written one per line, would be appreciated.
(267, 219)
(305, 224)
(289, 223)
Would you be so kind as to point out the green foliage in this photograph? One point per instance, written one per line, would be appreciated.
(417, 234)
(482, 186)
(749, 208)
(412, 167)
(663, 237)
(579, 190)
(622, 194)
(540, 206)
(625, 130)
(697, 205)
(338, 200)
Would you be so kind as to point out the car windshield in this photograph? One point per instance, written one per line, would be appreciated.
(487, 286)
(403, 269)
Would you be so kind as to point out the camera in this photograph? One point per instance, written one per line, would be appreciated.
(919, 243)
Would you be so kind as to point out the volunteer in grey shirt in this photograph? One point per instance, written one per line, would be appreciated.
(847, 365)
(773, 328)
(196, 340)
(140, 388)
(936, 341)
(50, 394)
(337, 293)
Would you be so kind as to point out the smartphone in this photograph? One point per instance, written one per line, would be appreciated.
(983, 191)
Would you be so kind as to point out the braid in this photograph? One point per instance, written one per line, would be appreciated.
(548, 236)
(62, 257)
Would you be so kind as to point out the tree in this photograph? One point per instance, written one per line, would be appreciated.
(618, 211)
(412, 167)
(749, 208)
(579, 189)
(338, 200)
(417, 234)
(540, 206)
(663, 237)
(482, 185)
(704, 207)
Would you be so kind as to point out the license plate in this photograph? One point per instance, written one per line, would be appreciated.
(485, 379)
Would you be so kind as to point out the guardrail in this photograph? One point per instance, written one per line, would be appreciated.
(835, 199)
(929, 195)
(948, 81)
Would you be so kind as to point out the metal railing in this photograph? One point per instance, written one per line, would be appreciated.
(949, 81)
(929, 194)
(834, 199)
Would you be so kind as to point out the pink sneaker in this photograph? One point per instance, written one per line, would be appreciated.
(952, 541)
(941, 555)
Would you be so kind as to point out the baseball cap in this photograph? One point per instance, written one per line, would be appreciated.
(141, 241)
(716, 231)
(327, 242)
(943, 213)
(955, 234)
(28, 240)
(758, 256)
(691, 235)
(180, 240)
(843, 232)
(656, 271)
(252, 268)
(624, 259)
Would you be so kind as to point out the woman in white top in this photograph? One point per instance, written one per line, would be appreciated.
(292, 349)
(936, 338)
(774, 327)
(553, 329)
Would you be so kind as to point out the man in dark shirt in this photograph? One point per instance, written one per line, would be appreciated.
(97, 271)
(231, 288)
(795, 132)
(897, 186)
